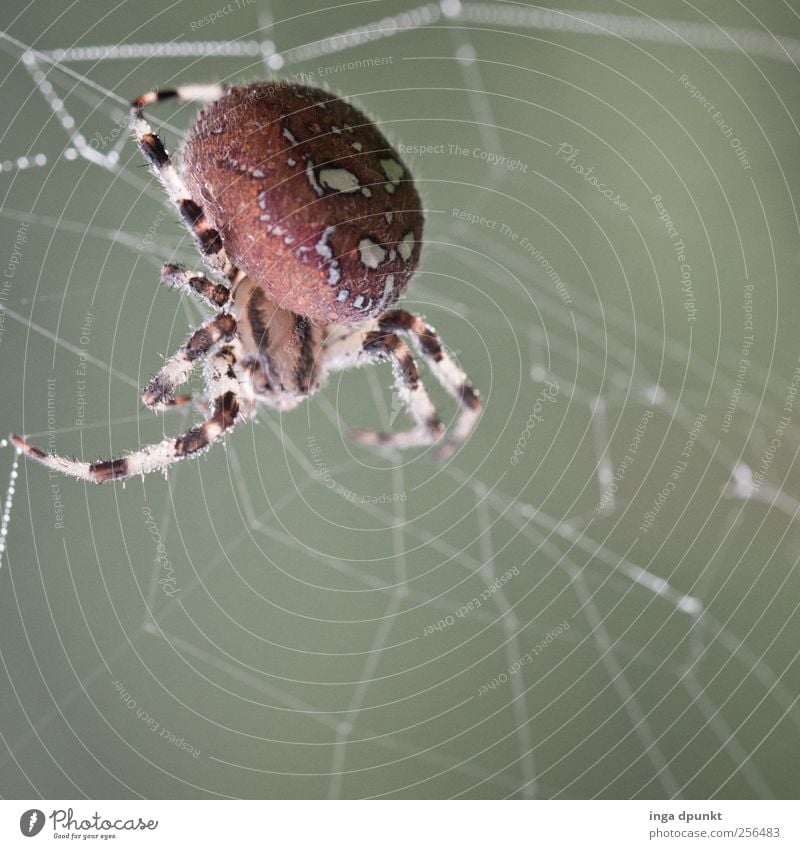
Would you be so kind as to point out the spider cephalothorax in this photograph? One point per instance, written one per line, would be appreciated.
(297, 202)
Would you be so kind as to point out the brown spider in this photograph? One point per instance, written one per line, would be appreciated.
(299, 203)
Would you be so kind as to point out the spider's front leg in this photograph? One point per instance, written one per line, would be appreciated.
(364, 345)
(159, 392)
(214, 295)
(207, 238)
(226, 408)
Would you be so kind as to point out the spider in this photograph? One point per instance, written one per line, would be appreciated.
(311, 222)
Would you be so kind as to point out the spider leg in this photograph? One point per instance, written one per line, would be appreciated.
(370, 345)
(179, 277)
(176, 370)
(223, 387)
(444, 369)
(152, 148)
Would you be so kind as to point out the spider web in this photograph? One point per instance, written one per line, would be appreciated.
(596, 597)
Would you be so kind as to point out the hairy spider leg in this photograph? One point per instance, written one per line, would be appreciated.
(224, 387)
(179, 277)
(208, 239)
(444, 369)
(368, 344)
(176, 370)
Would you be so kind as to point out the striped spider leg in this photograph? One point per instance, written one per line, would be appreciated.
(214, 339)
(376, 340)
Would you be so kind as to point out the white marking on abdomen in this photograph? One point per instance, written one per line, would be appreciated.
(388, 290)
(371, 253)
(393, 171)
(406, 246)
(312, 178)
(326, 252)
(339, 179)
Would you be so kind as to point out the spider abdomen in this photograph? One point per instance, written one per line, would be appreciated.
(311, 200)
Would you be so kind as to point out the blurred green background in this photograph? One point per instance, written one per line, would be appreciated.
(297, 634)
